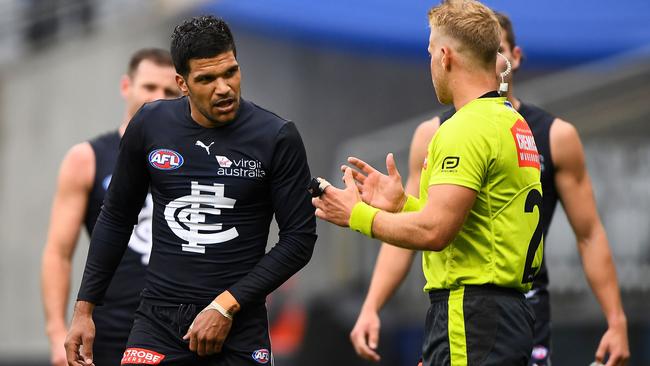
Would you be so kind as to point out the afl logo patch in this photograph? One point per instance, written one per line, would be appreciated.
(165, 159)
(540, 352)
(262, 356)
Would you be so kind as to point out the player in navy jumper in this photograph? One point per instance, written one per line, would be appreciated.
(83, 180)
(219, 168)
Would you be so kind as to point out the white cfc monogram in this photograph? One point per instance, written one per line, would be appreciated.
(186, 217)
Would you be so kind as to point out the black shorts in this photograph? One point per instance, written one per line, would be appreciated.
(112, 326)
(478, 325)
(158, 330)
(538, 298)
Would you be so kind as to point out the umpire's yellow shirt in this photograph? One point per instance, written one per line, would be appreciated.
(488, 147)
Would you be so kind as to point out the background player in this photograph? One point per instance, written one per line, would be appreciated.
(564, 178)
(480, 196)
(83, 179)
(220, 168)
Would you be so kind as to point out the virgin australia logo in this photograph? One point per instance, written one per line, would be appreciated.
(186, 217)
(244, 168)
(223, 161)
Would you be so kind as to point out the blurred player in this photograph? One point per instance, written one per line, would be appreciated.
(220, 168)
(565, 178)
(478, 216)
(83, 179)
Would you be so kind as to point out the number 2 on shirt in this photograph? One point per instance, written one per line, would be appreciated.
(533, 199)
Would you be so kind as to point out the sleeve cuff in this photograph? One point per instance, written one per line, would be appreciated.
(362, 217)
(412, 204)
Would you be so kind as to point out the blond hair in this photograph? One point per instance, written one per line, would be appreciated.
(472, 24)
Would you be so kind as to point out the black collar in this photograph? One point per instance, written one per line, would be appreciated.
(490, 94)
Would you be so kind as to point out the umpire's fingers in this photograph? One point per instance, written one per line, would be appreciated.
(317, 202)
(358, 176)
(321, 214)
(349, 180)
(391, 167)
(362, 165)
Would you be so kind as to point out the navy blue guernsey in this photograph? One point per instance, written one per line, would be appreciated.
(215, 191)
(540, 123)
(123, 294)
(105, 147)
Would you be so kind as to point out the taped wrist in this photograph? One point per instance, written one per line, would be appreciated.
(216, 306)
(362, 217)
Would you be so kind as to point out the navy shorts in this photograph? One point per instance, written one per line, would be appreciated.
(158, 330)
(112, 326)
(538, 298)
(478, 325)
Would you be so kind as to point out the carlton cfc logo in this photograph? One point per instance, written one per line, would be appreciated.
(191, 217)
(165, 159)
(261, 356)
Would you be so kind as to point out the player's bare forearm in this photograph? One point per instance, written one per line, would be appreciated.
(601, 274)
(600, 271)
(576, 193)
(74, 181)
(55, 283)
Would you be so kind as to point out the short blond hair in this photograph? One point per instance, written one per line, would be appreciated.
(471, 23)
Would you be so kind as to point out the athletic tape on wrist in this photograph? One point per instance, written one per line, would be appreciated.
(215, 306)
(361, 218)
(411, 204)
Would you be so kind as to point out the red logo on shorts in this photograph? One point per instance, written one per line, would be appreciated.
(141, 356)
(525, 143)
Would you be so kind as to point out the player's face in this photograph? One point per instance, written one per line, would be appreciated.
(438, 67)
(149, 82)
(214, 87)
(513, 54)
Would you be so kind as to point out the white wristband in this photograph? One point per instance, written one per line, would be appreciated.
(215, 306)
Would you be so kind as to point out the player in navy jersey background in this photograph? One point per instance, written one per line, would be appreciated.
(564, 178)
(219, 169)
(83, 179)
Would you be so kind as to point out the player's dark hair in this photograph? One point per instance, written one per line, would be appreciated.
(200, 37)
(506, 24)
(158, 56)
